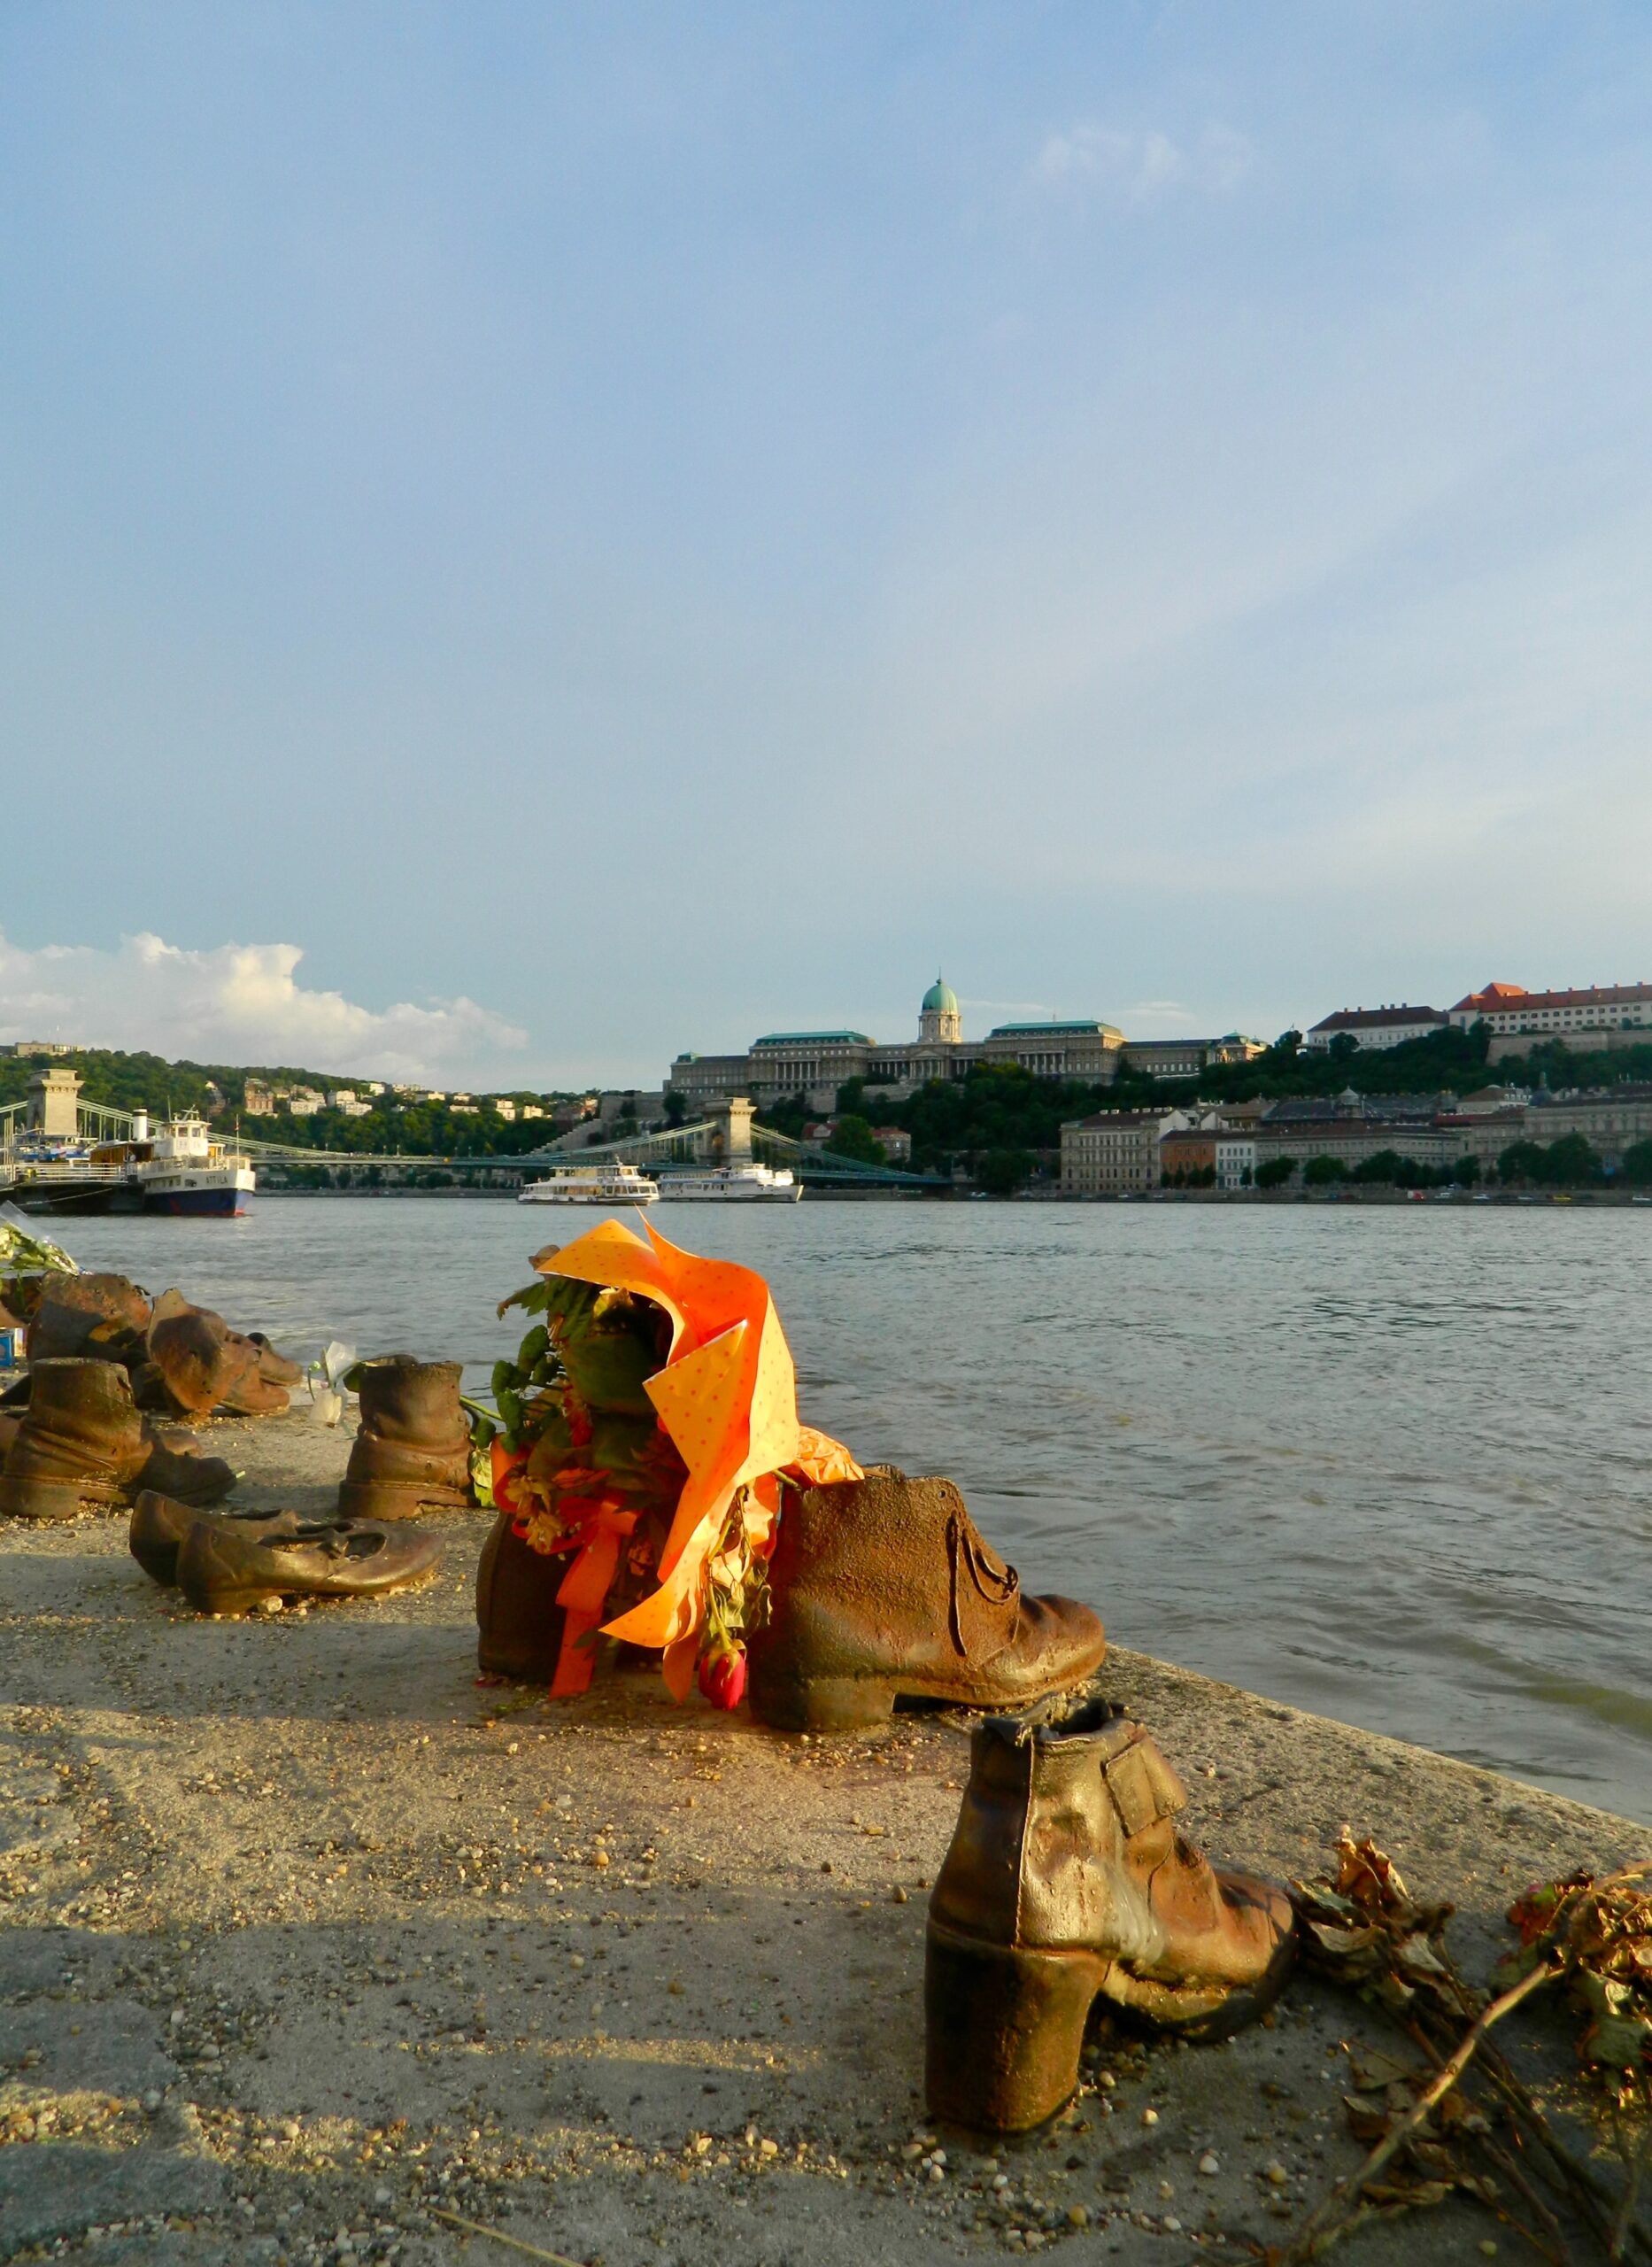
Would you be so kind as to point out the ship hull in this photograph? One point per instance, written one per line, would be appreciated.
(197, 1203)
(68, 1197)
(609, 1204)
(669, 1196)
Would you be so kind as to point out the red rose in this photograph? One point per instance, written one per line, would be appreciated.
(722, 1679)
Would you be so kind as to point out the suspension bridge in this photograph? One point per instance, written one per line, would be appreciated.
(728, 1135)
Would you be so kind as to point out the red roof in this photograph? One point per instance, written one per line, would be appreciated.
(1511, 995)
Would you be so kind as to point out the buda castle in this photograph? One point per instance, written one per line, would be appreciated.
(814, 1063)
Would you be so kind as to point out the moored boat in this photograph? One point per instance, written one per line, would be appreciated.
(185, 1172)
(752, 1184)
(592, 1184)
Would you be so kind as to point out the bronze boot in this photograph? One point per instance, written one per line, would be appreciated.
(517, 1615)
(414, 1446)
(1067, 1883)
(202, 1364)
(881, 1589)
(102, 1317)
(82, 1441)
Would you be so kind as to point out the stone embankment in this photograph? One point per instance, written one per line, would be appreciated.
(306, 1940)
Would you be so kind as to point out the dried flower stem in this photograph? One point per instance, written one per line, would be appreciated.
(1325, 2226)
(497, 2235)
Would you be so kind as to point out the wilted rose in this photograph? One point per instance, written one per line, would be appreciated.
(722, 1679)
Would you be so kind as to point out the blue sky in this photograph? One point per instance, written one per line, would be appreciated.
(538, 536)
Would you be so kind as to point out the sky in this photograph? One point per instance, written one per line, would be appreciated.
(533, 539)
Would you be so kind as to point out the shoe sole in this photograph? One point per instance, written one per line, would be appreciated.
(376, 1499)
(253, 1596)
(1005, 2026)
(53, 1499)
(841, 1704)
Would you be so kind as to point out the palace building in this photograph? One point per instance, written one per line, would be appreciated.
(814, 1063)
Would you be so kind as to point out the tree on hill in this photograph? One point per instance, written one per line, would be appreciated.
(853, 1138)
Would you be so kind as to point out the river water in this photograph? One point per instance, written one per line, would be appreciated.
(1393, 1465)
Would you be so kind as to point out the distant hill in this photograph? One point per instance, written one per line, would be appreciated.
(125, 1081)
(217, 1090)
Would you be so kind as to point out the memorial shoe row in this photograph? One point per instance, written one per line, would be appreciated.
(180, 1360)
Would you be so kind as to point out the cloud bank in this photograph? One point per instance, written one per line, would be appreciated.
(234, 1004)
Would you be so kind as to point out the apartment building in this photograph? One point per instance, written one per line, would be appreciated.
(1116, 1153)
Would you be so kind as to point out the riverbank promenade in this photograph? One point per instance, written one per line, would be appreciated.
(317, 1949)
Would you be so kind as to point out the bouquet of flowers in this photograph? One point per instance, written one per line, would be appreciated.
(645, 1431)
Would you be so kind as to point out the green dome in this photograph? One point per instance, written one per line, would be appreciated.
(940, 999)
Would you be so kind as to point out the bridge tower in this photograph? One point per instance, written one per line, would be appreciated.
(52, 1097)
(729, 1141)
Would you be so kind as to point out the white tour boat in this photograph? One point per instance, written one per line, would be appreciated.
(750, 1184)
(594, 1184)
(184, 1169)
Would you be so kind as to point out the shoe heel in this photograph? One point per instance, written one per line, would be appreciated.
(824, 1703)
(1004, 2030)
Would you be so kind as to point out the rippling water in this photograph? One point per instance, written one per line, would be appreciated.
(1387, 1464)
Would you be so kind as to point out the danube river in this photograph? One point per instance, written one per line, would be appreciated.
(1393, 1465)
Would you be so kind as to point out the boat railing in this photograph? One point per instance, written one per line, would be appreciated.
(27, 1169)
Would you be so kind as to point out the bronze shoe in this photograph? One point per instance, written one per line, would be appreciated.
(102, 1317)
(518, 1620)
(221, 1571)
(275, 1368)
(81, 1440)
(413, 1450)
(1067, 1883)
(159, 1524)
(881, 1590)
(202, 1362)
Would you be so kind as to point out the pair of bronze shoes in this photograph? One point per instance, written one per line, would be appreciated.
(881, 1590)
(1067, 1883)
(237, 1562)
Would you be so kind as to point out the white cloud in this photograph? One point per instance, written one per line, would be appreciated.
(1143, 167)
(1163, 1011)
(233, 1004)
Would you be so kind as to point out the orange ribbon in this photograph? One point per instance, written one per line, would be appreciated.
(582, 1597)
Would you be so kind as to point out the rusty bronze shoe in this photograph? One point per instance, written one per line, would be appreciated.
(221, 1571)
(518, 1620)
(81, 1442)
(159, 1524)
(881, 1590)
(201, 1364)
(102, 1317)
(1067, 1883)
(413, 1450)
(275, 1368)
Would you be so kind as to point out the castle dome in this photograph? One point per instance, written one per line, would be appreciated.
(939, 999)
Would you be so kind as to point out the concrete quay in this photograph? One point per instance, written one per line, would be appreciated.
(305, 1937)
